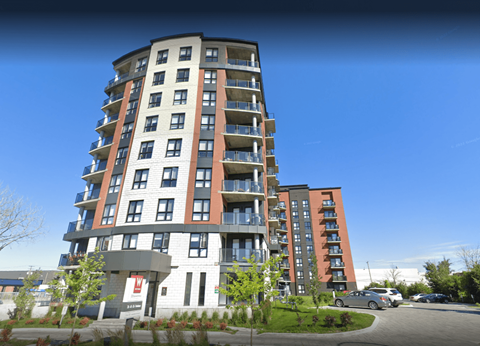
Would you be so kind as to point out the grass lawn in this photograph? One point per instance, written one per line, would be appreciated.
(188, 327)
(37, 324)
(284, 320)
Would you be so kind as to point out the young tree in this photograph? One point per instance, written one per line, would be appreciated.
(82, 286)
(245, 286)
(470, 256)
(25, 300)
(439, 278)
(393, 275)
(315, 284)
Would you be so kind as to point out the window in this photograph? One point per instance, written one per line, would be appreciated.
(146, 150)
(301, 289)
(140, 180)
(162, 57)
(201, 291)
(151, 124)
(155, 100)
(132, 107)
(141, 64)
(159, 78)
(299, 262)
(306, 214)
(305, 203)
(295, 214)
(209, 98)
(298, 250)
(170, 177)
(180, 97)
(165, 210)
(208, 123)
(210, 77)
(115, 182)
(296, 237)
(127, 130)
(296, 226)
(203, 177)
(108, 214)
(300, 274)
(188, 289)
(308, 236)
(294, 204)
(160, 242)
(182, 75)
(310, 262)
(308, 225)
(185, 53)
(310, 274)
(205, 148)
(309, 249)
(130, 241)
(121, 156)
(211, 55)
(103, 243)
(201, 210)
(136, 86)
(134, 211)
(198, 245)
(174, 147)
(178, 121)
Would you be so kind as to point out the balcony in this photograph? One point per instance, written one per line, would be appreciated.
(285, 252)
(247, 219)
(271, 161)
(338, 265)
(107, 124)
(283, 228)
(272, 176)
(335, 252)
(330, 226)
(241, 255)
(269, 141)
(95, 172)
(238, 162)
(330, 215)
(76, 226)
(329, 204)
(282, 206)
(337, 278)
(239, 112)
(283, 217)
(87, 199)
(283, 240)
(273, 219)
(284, 278)
(242, 191)
(284, 265)
(243, 65)
(333, 240)
(272, 197)
(242, 90)
(101, 147)
(238, 136)
(273, 244)
(116, 81)
(270, 122)
(69, 260)
(113, 103)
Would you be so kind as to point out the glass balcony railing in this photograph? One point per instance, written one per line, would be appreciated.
(272, 215)
(339, 278)
(248, 219)
(241, 255)
(271, 171)
(333, 238)
(83, 225)
(242, 156)
(282, 205)
(285, 264)
(331, 225)
(102, 142)
(283, 216)
(242, 84)
(328, 203)
(117, 79)
(242, 186)
(99, 166)
(87, 195)
(338, 265)
(67, 259)
(283, 227)
(330, 214)
(284, 240)
(107, 120)
(335, 251)
(243, 130)
(269, 116)
(243, 106)
(112, 99)
(239, 62)
(270, 152)
(285, 278)
(272, 193)
(273, 240)
(269, 135)
(285, 252)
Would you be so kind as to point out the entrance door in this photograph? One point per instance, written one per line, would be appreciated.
(236, 216)
(151, 301)
(236, 250)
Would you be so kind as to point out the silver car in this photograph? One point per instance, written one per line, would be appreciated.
(365, 299)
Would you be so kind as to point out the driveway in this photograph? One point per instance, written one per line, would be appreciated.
(422, 325)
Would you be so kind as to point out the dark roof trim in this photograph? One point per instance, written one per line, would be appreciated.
(326, 188)
(305, 186)
(164, 38)
(128, 55)
(224, 39)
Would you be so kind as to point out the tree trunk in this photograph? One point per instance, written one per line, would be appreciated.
(73, 325)
(251, 328)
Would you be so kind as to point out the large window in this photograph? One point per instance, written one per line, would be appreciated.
(294, 204)
(208, 123)
(165, 210)
(298, 250)
(141, 64)
(205, 148)
(108, 214)
(160, 242)
(198, 245)
(162, 57)
(180, 97)
(296, 226)
(130, 241)
(308, 236)
(299, 262)
(201, 291)
(203, 177)
(127, 130)
(151, 124)
(295, 214)
(211, 55)
(185, 53)
(301, 289)
(296, 238)
(305, 203)
(134, 211)
(103, 243)
(136, 86)
(210, 77)
(306, 214)
(178, 121)
(201, 210)
(121, 156)
(155, 100)
(183, 75)
(146, 150)
(132, 107)
(209, 98)
(170, 177)
(300, 274)
(308, 225)
(159, 78)
(309, 249)
(174, 147)
(115, 182)
(140, 180)
(188, 289)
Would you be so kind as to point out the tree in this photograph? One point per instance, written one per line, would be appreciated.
(470, 256)
(25, 300)
(18, 221)
(393, 275)
(439, 278)
(245, 286)
(82, 286)
(315, 284)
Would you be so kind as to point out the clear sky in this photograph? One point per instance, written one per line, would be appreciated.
(384, 105)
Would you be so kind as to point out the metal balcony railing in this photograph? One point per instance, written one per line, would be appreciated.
(285, 252)
(331, 225)
(285, 264)
(248, 219)
(241, 255)
(285, 278)
(243, 106)
(339, 278)
(272, 193)
(83, 225)
(242, 156)
(99, 166)
(335, 251)
(107, 120)
(328, 203)
(283, 227)
(333, 239)
(101, 142)
(330, 214)
(270, 152)
(282, 205)
(269, 116)
(283, 216)
(273, 240)
(272, 215)
(242, 186)
(243, 130)
(67, 259)
(87, 195)
(113, 99)
(271, 171)
(239, 62)
(242, 83)
(338, 265)
(269, 135)
(284, 239)
(117, 79)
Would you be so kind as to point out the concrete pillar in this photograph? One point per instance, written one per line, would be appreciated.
(252, 58)
(117, 74)
(257, 242)
(94, 161)
(256, 208)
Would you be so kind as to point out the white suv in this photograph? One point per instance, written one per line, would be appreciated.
(390, 293)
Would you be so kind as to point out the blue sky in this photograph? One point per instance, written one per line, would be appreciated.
(385, 107)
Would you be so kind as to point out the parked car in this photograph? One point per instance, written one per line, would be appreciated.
(363, 298)
(434, 298)
(417, 296)
(392, 294)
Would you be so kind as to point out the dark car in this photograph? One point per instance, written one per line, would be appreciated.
(434, 298)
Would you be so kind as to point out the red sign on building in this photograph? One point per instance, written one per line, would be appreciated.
(137, 288)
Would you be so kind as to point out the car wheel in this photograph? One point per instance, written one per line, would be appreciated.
(445, 301)
(395, 305)
(373, 305)
(339, 303)
(427, 301)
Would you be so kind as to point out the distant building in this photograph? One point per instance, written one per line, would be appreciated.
(12, 280)
(407, 275)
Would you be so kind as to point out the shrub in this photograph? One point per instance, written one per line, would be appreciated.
(243, 314)
(50, 311)
(41, 321)
(330, 321)
(75, 339)
(225, 317)
(29, 321)
(346, 319)
(70, 322)
(197, 325)
(223, 326)
(58, 310)
(204, 317)
(156, 341)
(266, 311)
(143, 324)
(175, 316)
(55, 322)
(314, 320)
(47, 319)
(215, 316)
(159, 322)
(193, 316)
(84, 321)
(6, 334)
(235, 318)
(184, 316)
(171, 323)
(200, 338)
(43, 342)
(11, 322)
(183, 323)
(257, 316)
(175, 336)
(297, 299)
(209, 325)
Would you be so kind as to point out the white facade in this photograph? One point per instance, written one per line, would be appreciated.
(407, 275)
